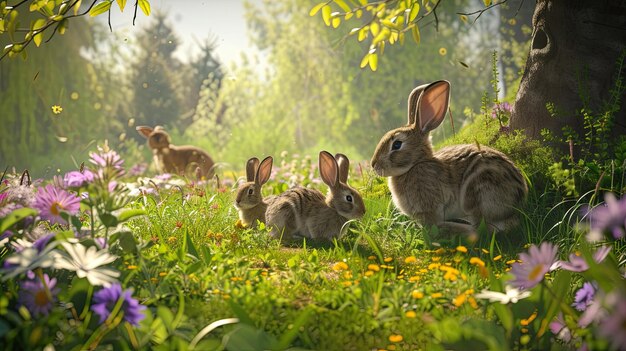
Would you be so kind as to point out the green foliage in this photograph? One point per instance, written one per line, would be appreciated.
(595, 162)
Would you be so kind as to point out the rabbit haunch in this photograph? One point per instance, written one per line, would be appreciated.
(170, 158)
(307, 213)
(457, 183)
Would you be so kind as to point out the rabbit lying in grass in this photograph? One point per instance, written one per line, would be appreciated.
(250, 201)
(460, 183)
(307, 213)
(170, 158)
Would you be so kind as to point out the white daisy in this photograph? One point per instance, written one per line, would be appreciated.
(88, 262)
(512, 295)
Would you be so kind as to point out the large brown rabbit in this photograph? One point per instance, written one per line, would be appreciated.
(170, 158)
(459, 183)
(306, 213)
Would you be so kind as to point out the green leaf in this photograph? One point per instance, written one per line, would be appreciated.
(121, 4)
(100, 8)
(326, 10)
(245, 337)
(144, 5)
(37, 39)
(128, 214)
(108, 220)
(416, 34)
(316, 9)
(191, 249)
(14, 217)
(373, 62)
(127, 242)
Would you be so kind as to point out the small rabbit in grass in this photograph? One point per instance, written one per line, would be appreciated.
(307, 213)
(250, 201)
(459, 183)
(170, 158)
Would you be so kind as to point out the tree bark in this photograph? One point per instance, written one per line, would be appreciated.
(571, 64)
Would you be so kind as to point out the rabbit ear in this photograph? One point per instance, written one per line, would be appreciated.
(344, 167)
(251, 167)
(412, 104)
(264, 170)
(144, 130)
(433, 105)
(328, 169)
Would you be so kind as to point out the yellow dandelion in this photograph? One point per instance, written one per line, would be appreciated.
(434, 266)
(510, 261)
(162, 274)
(154, 280)
(369, 273)
(423, 270)
(171, 239)
(340, 266)
(443, 51)
(347, 275)
(440, 251)
(74, 96)
(373, 267)
(497, 258)
(436, 259)
(417, 294)
(391, 347)
(461, 248)
(132, 267)
(371, 258)
(472, 301)
(450, 276)
(485, 251)
(477, 261)
(414, 278)
(468, 292)
(387, 259)
(395, 338)
(410, 259)
(239, 224)
(346, 283)
(436, 295)
(56, 109)
(459, 300)
(410, 314)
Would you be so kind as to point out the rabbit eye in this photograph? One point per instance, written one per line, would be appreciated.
(396, 145)
(349, 198)
(250, 191)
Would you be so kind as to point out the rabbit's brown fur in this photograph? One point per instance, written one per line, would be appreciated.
(307, 213)
(460, 183)
(249, 200)
(170, 158)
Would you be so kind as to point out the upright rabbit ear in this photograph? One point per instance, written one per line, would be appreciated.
(329, 169)
(412, 104)
(144, 130)
(251, 167)
(344, 167)
(265, 170)
(433, 105)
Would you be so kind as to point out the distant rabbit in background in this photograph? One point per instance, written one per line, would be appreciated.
(174, 159)
(459, 183)
(250, 201)
(307, 213)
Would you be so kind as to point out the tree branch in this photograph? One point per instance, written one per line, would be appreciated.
(480, 12)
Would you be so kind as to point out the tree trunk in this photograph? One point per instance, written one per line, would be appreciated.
(573, 55)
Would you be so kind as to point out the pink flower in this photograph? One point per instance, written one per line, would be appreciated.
(608, 218)
(52, 201)
(535, 264)
(578, 264)
(613, 327)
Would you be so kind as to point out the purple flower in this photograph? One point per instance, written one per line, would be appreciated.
(76, 179)
(500, 108)
(613, 327)
(163, 177)
(560, 329)
(578, 264)
(37, 297)
(106, 159)
(21, 194)
(138, 169)
(584, 296)
(3, 197)
(51, 201)
(608, 218)
(105, 299)
(535, 264)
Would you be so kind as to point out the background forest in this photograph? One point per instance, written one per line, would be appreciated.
(305, 84)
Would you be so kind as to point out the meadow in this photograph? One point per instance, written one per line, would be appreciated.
(111, 259)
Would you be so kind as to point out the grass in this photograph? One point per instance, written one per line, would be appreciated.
(378, 287)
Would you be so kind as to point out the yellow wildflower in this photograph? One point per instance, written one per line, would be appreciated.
(526, 322)
(387, 259)
(56, 109)
(373, 267)
(477, 261)
(132, 266)
(410, 259)
(459, 300)
(417, 294)
(369, 273)
(410, 314)
(371, 258)
(395, 338)
(461, 248)
(472, 302)
(440, 251)
(436, 295)
(443, 51)
(340, 266)
(497, 258)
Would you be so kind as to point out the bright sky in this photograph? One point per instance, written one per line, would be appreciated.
(194, 21)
